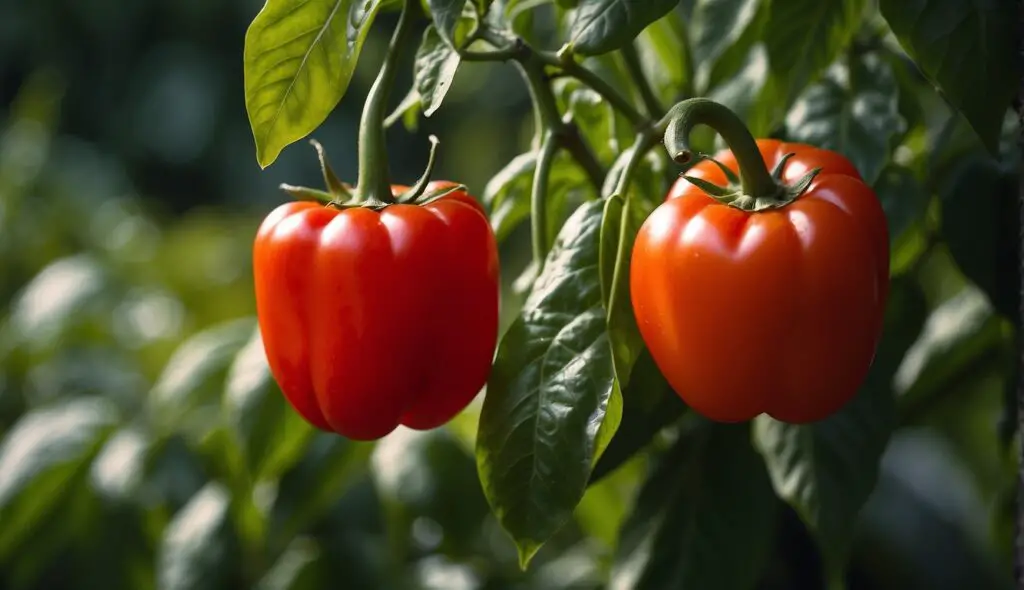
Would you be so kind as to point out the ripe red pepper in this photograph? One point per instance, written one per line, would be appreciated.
(374, 318)
(767, 296)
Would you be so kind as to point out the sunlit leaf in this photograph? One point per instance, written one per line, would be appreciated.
(601, 26)
(436, 64)
(40, 458)
(298, 59)
(199, 545)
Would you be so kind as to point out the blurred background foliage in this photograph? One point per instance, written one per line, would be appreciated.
(144, 445)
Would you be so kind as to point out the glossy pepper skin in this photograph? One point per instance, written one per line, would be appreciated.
(371, 319)
(778, 311)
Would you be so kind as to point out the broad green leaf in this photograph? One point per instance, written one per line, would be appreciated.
(716, 26)
(195, 373)
(666, 57)
(591, 113)
(118, 470)
(58, 298)
(601, 26)
(959, 332)
(330, 466)
(826, 470)
(966, 49)
(483, 5)
(746, 93)
(549, 391)
(300, 567)
(619, 226)
(507, 194)
(199, 545)
(978, 194)
(453, 19)
(298, 59)
(649, 405)
(436, 64)
(705, 518)
(430, 474)
(802, 38)
(853, 111)
(40, 458)
(270, 434)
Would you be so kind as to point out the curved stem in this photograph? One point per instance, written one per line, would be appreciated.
(539, 198)
(596, 83)
(757, 182)
(636, 72)
(374, 183)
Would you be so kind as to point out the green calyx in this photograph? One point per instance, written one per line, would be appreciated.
(755, 189)
(341, 195)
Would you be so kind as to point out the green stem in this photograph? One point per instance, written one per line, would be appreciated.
(374, 182)
(757, 182)
(636, 72)
(596, 83)
(539, 197)
(548, 117)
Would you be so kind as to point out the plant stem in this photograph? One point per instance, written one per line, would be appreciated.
(539, 197)
(757, 182)
(595, 83)
(548, 117)
(374, 183)
(636, 71)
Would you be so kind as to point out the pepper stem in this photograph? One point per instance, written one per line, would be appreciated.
(755, 179)
(374, 184)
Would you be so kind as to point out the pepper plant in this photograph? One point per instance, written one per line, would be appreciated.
(758, 271)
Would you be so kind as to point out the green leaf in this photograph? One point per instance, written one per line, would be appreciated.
(40, 458)
(601, 26)
(430, 474)
(827, 470)
(198, 548)
(705, 518)
(436, 64)
(616, 250)
(802, 38)
(271, 435)
(904, 201)
(959, 334)
(298, 60)
(118, 471)
(649, 405)
(851, 111)
(967, 50)
(300, 567)
(665, 54)
(549, 392)
(448, 15)
(716, 26)
(57, 299)
(326, 471)
(981, 227)
(595, 118)
(194, 375)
